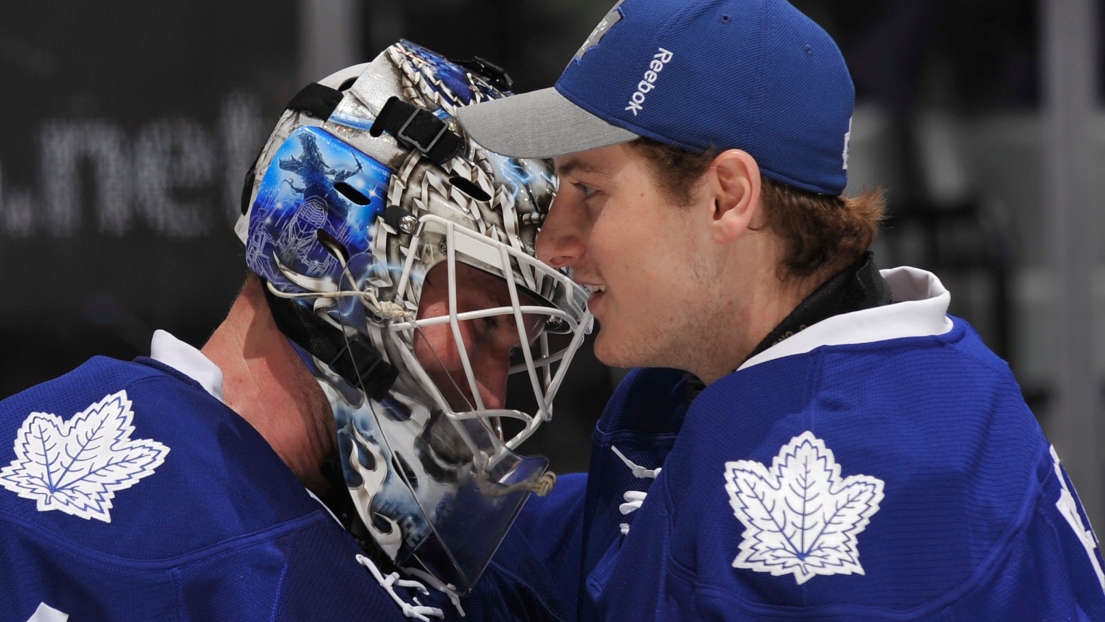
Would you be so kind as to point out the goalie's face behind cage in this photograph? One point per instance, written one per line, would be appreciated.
(398, 258)
(487, 343)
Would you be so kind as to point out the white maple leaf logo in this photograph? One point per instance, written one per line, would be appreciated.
(800, 517)
(76, 466)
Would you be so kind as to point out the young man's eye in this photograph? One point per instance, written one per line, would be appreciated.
(587, 191)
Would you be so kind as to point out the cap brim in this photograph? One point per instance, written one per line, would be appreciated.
(539, 124)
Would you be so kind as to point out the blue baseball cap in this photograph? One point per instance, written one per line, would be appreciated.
(755, 75)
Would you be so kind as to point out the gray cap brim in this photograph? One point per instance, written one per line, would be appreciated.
(539, 124)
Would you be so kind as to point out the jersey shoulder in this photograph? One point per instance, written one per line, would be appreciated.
(129, 492)
(895, 476)
(110, 456)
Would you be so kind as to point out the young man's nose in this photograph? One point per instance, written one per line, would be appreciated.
(560, 243)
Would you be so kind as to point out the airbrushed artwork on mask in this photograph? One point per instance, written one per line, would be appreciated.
(348, 223)
(380, 479)
(432, 81)
(415, 475)
(318, 184)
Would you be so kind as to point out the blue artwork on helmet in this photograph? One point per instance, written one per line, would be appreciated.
(350, 225)
(451, 76)
(302, 196)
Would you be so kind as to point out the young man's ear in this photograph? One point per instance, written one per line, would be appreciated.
(736, 189)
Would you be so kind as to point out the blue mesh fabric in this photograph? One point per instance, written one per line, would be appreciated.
(222, 530)
(967, 526)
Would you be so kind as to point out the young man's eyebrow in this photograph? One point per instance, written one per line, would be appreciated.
(576, 165)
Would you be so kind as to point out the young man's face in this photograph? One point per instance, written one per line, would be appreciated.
(488, 342)
(643, 258)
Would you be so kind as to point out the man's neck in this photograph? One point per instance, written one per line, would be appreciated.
(749, 301)
(856, 287)
(774, 311)
(267, 384)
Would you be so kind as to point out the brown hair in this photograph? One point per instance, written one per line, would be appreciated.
(821, 234)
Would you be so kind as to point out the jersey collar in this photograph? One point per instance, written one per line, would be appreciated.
(920, 310)
(189, 361)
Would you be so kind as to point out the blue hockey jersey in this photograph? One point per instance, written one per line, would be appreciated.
(879, 465)
(129, 491)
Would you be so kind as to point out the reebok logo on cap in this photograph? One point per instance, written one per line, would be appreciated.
(755, 75)
(655, 66)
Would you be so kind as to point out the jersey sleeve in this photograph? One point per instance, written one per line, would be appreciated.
(302, 572)
(1052, 570)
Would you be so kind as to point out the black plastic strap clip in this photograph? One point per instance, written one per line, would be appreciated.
(496, 74)
(362, 366)
(419, 129)
(351, 357)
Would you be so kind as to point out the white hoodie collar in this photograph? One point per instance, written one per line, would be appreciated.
(189, 361)
(920, 309)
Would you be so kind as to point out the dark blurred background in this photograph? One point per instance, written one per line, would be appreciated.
(128, 127)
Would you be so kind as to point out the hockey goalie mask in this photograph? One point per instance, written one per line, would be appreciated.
(399, 258)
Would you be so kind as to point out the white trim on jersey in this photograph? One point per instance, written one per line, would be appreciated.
(920, 309)
(167, 349)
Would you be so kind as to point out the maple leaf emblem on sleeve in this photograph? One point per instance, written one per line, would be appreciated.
(800, 517)
(76, 466)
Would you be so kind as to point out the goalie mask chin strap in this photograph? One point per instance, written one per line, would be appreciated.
(352, 358)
